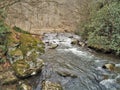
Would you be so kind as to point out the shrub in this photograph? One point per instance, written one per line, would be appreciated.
(103, 29)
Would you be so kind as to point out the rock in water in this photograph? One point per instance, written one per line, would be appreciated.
(109, 66)
(74, 41)
(53, 46)
(47, 85)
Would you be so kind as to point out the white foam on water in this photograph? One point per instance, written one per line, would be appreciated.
(117, 65)
(66, 42)
(74, 51)
(109, 83)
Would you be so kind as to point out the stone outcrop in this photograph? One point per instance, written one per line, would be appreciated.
(23, 54)
(39, 16)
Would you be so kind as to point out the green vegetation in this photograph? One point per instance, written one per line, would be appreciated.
(28, 43)
(17, 29)
(102, 31)
(4, 30)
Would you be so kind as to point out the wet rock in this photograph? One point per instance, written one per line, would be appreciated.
(81, 43)
(24, 68)
(47, 85)
(53, 46)
(74, 41)
(109, 66)
(8, 77)
(66, 73)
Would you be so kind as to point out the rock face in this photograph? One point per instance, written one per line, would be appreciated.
(39, 16)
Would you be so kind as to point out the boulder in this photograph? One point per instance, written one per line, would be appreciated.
(81, 43)
(109, 66)
(47, 85)
(53, 46)
(23, 54)
(74, 41)
(24, 68)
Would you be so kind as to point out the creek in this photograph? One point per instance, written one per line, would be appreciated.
(77, 68)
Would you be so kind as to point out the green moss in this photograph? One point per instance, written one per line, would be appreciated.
(20, 66)
(16, 52)
(3, 49)
(3, 27)
(32, 56)
(28, 43)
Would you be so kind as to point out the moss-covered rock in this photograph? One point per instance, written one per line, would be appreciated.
(23, 53)
(28, 43)
(20, 67)
(25, 68)
(15, 54)
(47, 85)
(13, 40)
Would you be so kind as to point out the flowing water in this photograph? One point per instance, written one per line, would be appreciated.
(75, 67)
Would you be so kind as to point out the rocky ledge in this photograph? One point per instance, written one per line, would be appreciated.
(22, 52)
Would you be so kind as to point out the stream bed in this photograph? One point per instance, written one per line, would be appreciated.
(75, 67)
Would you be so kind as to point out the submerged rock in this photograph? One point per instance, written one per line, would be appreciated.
(66, 73)
(47, 85)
